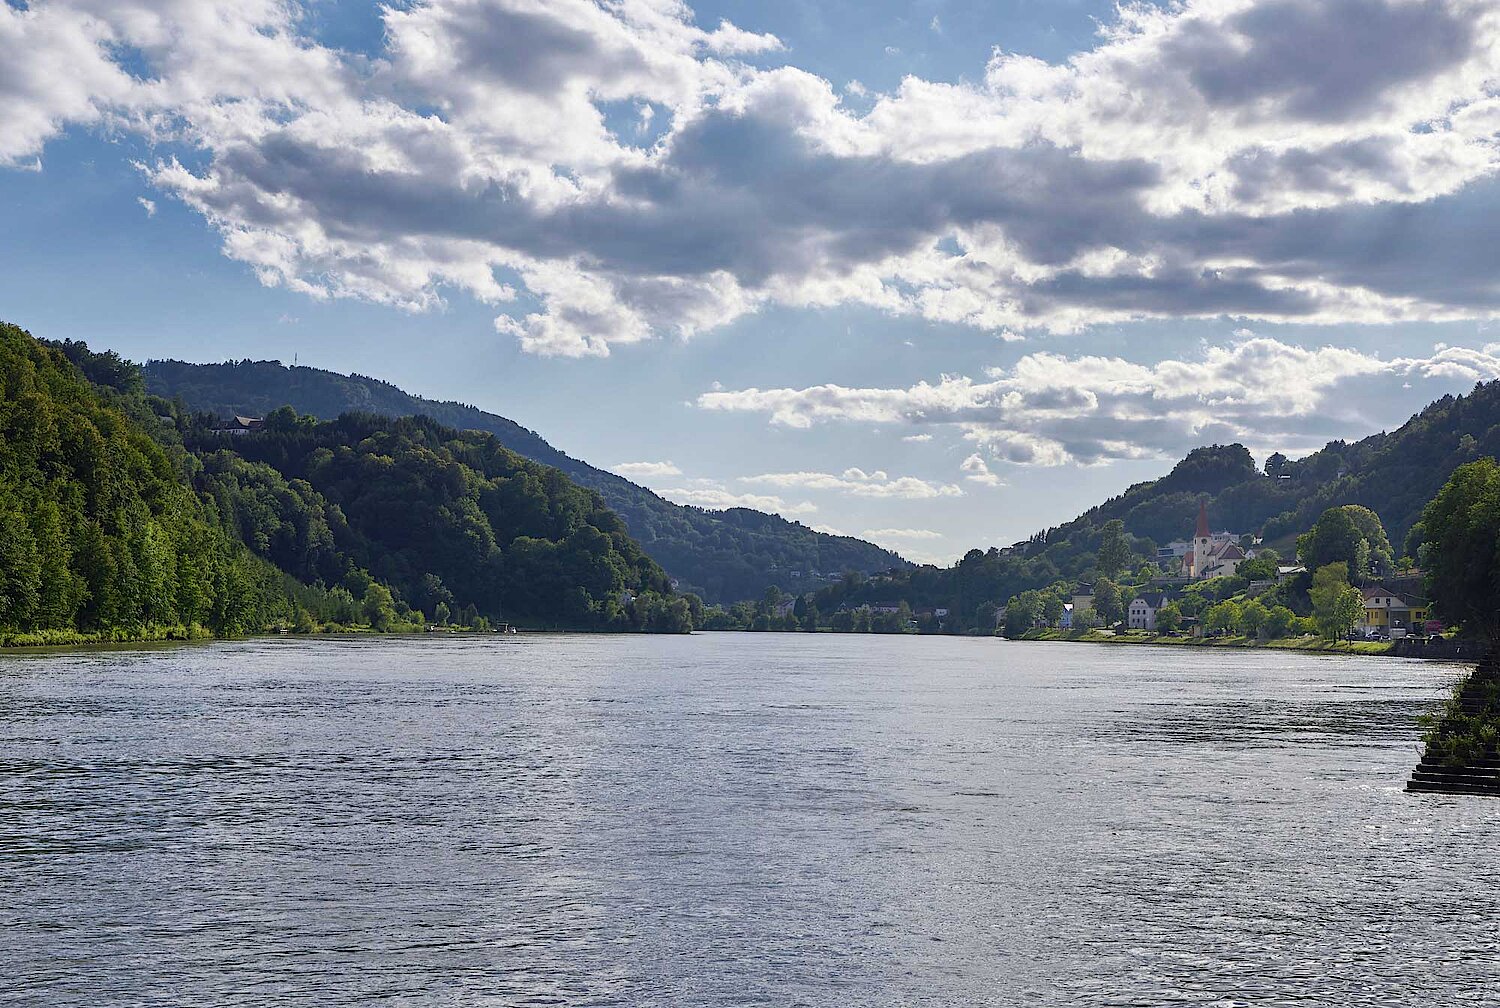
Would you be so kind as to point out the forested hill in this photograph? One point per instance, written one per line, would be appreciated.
(1394, 474)
(453, 522)
(100, 535)
(124, 517)
(724, 555)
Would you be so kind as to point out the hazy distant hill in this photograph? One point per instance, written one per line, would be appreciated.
(727, 555)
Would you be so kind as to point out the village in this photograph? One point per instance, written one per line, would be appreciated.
(1173, 601)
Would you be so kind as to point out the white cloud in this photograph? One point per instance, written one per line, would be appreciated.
(858, 483)
(917, 438)
(147, 205)
(1049, 409)
(719, 498)
(58, 70)
(1208, 158)
(977, 470)
(900, 533)
(646, 470)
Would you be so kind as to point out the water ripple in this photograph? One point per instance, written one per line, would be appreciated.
(730, 820)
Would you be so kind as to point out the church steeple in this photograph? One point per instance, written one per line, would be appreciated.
(1197, 560)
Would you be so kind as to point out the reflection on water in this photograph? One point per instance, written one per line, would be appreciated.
(731, 820)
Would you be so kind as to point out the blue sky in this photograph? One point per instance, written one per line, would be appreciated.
(940, 274)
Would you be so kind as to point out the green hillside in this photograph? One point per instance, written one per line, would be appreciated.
(123, 517)
(443, 517)
(100, 536)
(723, 555)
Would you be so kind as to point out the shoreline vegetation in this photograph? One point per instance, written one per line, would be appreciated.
(178, 633)
(1306, 642)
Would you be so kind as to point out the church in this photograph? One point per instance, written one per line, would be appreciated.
(1212, 555)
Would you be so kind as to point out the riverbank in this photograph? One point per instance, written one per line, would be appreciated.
(164, 634)
(70, 638)
(1310, 643)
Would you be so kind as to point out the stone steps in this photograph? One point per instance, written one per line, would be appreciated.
(1482, 778)
(1415, 786)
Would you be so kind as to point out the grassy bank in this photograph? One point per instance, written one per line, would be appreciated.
(154, 634)
(133, 635)
(1307, 643)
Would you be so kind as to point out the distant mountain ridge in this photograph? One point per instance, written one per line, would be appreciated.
(724, 555)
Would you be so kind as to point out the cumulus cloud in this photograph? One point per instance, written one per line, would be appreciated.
(719, 498)
(1309, 161)
(147, 205)
(1048, 409)
(977, 470)
(647, 470)
(900, 533)
(58, 70)
(858, 483)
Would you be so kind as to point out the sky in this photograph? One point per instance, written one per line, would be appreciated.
(938, 274)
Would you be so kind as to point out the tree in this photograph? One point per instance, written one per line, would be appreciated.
(1276, 464)
(1221, 618)
(1462, 549)
(20, 573)
(1253, 618)
(1052, 609)
(695, 608)
(378, 607)
(1169, 618)
(1278, 622)
(1022, 613)
(1351, 535)
(1264, 566)
(1114, 550)
(1107, 602)
(1337, 605)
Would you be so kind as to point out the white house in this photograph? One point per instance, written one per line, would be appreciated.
(1143, 609)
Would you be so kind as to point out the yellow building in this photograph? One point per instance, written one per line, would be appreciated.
(1392, 610)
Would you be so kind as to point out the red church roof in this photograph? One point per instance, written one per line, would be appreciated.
(1202, 532)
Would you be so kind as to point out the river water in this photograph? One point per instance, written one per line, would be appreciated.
(732, 819)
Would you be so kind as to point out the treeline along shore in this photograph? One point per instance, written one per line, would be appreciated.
(1450, 649)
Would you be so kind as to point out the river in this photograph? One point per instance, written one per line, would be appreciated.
(731, 819)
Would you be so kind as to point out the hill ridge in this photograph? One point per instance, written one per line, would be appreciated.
(723, 555)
